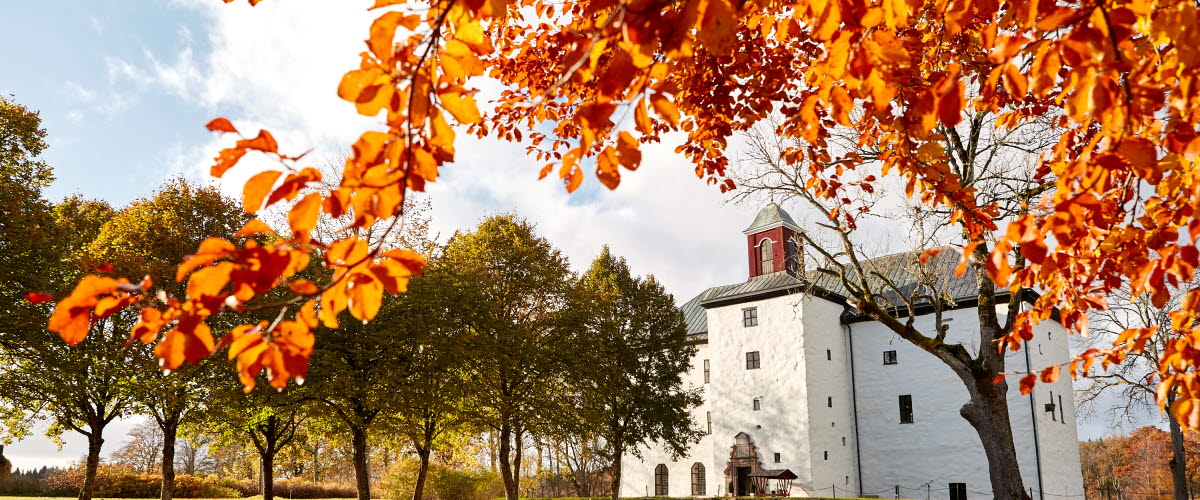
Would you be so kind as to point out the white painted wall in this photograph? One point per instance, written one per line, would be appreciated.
(795, 379)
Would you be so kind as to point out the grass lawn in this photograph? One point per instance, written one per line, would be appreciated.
(277, 497)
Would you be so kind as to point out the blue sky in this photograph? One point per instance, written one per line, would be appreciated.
(125, 88)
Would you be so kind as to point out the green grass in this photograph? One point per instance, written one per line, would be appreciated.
(277, 497)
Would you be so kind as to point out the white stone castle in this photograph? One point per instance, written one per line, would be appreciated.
(804, 397)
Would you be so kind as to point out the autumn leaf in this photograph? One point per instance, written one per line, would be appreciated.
(221, 125)
(36, 298)
(1027, 383)
(303, 215)
(257, 189)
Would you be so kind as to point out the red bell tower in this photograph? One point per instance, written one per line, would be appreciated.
(771, 242)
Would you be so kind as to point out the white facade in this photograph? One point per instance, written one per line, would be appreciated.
(829, 407)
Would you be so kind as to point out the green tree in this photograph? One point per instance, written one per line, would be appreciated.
(632, 385)
(511, 290)
(147, 238)
(82, 388)
(266, 417)
(27, 239)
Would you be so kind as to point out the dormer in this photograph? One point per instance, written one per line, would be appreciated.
(772, 243)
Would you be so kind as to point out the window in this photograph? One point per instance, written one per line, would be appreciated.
(827, 455)
(698, 479)
(831, 401)
(843, 440)
(906, 412)
(706, 371)
(660, 480)
(757, 404)
(889, 357)
(709, 414)
(958, 491)
(752, 359)
(766, 256)
(1062, 417)
(1050, 407)
(828, 355)
(750, 316)
(777, 458)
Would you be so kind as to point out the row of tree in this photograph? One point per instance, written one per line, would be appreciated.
(498, 336)
(1137, 466)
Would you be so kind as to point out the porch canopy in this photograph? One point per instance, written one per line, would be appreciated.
(773, 482)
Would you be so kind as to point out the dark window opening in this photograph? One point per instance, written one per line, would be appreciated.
(831, 401)
(698, 479)
(706, 371)
(1062, 417)
(889, 357)
(757, 404)
(777, 458)
(958, 491)
(660, 480)
(828, 355)
(906, 409)
(1053, 417)
(752, 360)
(750, 317)
(826, 455)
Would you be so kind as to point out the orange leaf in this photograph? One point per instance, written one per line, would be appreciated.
(1027, 383)
(1051, 374)
(303, 216)
(264, 142)
(209, 281)
(191, 341)
(254, 227)
(383, 32)
(718, 25)
(462, 106)
(303, 287)
(666, 109)
(225, 160)
(147, 328)
(210, 250)
(366, 295)
(221, 125)
(1187, 412)
(257, 188)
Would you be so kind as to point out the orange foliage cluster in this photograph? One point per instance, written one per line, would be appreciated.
(1118, 77)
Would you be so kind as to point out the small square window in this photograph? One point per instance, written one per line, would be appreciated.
(757, 404)
(958, 491)
(752, 360)
(889, 357)
(750, 317)
(906, 409)
(777, 458)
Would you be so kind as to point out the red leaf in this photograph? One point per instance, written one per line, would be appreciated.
(1027, 383)
(221, 125)
(38, 297)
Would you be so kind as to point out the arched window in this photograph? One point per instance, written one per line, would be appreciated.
(698, 479)
(766, 256)
(660, 480)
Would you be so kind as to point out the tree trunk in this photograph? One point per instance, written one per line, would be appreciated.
(95, 443)
(615, 483)
(510, 483)
(315, 453)
(1178, 458)
(267, 466)
(987, 412)
(170, 430)
(362, 476)
(519, 452)
(419, 487)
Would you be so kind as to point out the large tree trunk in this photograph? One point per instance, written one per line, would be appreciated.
(1178, 458)
(267, 466)
(615, 482)
(170, 430)
(419, 487)
(95, 444)
(362, 475)
(987, 412)
(506, 471)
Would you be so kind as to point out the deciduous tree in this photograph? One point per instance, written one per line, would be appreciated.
(630, 382)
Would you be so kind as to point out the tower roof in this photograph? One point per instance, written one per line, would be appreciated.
(770, 217)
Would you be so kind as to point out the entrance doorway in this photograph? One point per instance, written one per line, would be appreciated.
(743, 482)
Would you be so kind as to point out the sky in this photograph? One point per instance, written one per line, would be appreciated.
(125, 88)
